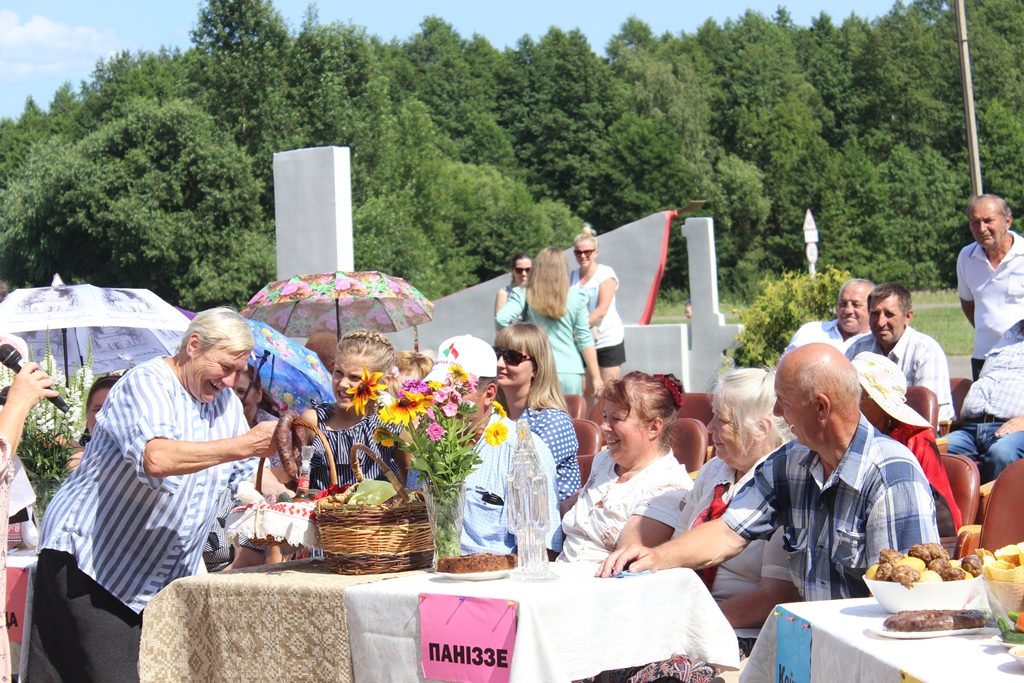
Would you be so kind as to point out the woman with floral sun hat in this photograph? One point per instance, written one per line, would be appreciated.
(884, 403)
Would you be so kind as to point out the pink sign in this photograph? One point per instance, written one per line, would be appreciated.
(466, 639)
(17, 591)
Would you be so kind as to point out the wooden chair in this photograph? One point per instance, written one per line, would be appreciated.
(926, 403)
(585, 462)
(965, 481)
(958, 387)
(690, 443)
(577, 406)
(589, 435)
(1004, 524)
(698, 407)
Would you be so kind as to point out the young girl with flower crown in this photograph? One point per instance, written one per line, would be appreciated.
(364, 362)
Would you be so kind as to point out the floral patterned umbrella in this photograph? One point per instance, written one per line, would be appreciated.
(291, 374)
(339, 302)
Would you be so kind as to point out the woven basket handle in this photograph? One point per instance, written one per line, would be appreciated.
(403, 495)
(259, 475)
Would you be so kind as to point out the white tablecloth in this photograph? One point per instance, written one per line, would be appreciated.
(842, 650)
(568, 629)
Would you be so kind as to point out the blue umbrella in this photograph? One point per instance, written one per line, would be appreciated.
(292, 375)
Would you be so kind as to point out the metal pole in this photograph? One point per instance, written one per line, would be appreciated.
(965, 80)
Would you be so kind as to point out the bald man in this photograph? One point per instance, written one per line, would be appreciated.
(841, 491)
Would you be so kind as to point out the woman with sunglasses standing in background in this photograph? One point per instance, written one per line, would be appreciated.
(599, 282)
(529, 381)
(561, 312)
(520, 269)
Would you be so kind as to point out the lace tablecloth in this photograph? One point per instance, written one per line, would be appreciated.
(284, 622)
(842, 650)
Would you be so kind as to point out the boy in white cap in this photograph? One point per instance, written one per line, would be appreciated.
(485, 524)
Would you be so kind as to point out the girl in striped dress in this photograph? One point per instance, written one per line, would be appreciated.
(342, 424)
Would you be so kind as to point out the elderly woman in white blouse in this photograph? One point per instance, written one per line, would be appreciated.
(636, 486)
(744, 431)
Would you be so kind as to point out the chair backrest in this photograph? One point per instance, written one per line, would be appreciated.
(585, 462)
(597, 412)
(698, 407)
(959, 386)
(965, 482)
(589, 435)
(924, 401)
(577, 406)
(1004, 523)
(690, 443)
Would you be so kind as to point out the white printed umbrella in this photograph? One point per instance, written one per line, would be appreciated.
(122, 327)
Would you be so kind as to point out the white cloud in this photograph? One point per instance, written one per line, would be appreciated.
(41, 47)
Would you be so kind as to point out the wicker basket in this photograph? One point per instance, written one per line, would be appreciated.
(375, 539)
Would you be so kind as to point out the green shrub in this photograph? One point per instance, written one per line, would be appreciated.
(783, 306)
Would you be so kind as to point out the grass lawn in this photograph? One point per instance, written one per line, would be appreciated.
(949, 326)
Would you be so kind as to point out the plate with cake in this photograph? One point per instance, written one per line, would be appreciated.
(476, 567)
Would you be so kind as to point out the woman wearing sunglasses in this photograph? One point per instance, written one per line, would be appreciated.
(520, 270)
(561, 312)
(599, 282)
(527, 377)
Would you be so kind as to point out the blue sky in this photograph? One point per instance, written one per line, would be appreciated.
(47, 42)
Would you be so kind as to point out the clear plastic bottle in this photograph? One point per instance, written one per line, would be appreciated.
(302, 490)
(527, 490)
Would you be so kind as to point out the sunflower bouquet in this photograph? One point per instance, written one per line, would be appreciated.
(438, 427)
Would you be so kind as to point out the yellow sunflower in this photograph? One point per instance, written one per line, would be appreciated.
(496, 434)
(366, 390)
(500, 410)
(384, 437)
(458, 374)
(405, 408)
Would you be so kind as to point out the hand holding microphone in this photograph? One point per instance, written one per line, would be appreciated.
(40, 385)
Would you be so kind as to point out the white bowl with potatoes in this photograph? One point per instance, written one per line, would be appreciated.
(925, 578)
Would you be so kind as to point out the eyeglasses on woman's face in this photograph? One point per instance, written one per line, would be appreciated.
(522, 271)
(510, 356)
(583, 252)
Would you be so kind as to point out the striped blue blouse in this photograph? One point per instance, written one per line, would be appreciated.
(131, 532)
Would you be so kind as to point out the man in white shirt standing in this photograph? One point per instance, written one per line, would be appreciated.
(919, 356)
(852, 322)
(990, 275)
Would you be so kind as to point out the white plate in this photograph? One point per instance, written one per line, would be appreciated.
(476, 576)
(920, 635)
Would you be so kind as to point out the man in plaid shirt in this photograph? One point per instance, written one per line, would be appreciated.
(841, 491)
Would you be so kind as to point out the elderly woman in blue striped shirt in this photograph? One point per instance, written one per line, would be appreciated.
(133, 517)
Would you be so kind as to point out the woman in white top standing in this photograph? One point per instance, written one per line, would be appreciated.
(600, 283)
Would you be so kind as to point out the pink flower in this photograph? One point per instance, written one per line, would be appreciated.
(450, 409)
(431, 414)
(435, 431)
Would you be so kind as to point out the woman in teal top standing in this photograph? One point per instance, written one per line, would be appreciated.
(563, 315)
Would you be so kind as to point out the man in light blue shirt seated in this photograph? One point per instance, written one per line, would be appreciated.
(485, 524)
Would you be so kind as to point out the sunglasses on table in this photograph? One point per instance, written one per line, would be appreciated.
(511, 357)
(522, 271)
(583, 252)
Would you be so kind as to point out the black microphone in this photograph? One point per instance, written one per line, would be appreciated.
(10, 357)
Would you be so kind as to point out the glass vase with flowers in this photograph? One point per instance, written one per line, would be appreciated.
(438, 429)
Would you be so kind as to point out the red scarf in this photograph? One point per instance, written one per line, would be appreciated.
(714, 511)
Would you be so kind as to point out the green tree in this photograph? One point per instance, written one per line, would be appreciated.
(158, 199)
(783, 306)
